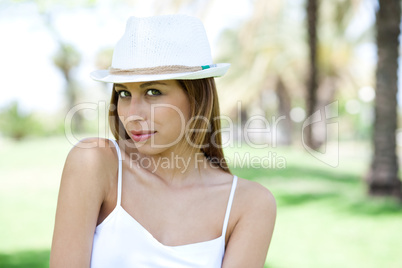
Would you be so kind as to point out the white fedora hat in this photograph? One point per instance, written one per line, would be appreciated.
(161, 48)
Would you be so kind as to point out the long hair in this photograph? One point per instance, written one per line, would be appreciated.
(204, 118)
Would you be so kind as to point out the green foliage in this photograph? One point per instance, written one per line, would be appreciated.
(31, 259)
(325, 218)
(66, 58)
(18, 125)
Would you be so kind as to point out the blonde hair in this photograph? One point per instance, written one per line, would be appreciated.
(204, 115)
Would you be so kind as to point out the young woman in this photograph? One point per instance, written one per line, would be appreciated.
(161, 195)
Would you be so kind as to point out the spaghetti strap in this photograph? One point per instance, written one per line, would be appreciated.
(227, 214)
(119, 176)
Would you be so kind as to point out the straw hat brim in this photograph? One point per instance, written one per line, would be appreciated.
(105, 76)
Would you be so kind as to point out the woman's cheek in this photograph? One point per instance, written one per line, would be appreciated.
(172, 120)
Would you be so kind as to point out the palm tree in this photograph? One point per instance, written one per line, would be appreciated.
(267, 64)
(312, 13)
(383, 178)
(66, 59)
(333, 62)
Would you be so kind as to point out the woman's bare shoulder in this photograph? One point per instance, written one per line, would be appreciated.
(93, 150)
(90, 168)
(255, 197)
(250, 236)
(95, 156)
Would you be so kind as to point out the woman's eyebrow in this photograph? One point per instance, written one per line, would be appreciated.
(147, 84)
(120, 85)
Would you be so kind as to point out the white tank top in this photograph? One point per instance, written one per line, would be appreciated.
(121, 242)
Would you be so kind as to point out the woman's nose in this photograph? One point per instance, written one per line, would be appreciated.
(136, 114)
(137, 108)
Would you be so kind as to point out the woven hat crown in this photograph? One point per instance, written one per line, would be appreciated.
(162, 41)
(161, 48)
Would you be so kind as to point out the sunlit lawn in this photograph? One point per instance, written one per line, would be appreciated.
(324, 217)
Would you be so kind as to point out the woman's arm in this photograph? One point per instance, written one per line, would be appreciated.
(249, 241)
(83, 188)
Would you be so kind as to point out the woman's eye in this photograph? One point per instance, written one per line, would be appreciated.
(153, 92)
(123, 94)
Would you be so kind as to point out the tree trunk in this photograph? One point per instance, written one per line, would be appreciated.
(284, 110)
(311, 100)
(383, 178)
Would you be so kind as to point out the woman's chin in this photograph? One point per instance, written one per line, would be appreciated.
(149, 149)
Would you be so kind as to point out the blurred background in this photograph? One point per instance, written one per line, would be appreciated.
(316, 81)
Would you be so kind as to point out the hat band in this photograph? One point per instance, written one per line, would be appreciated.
(168, 69)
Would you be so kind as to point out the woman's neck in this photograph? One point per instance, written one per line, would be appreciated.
(174, 166)
(177, 169)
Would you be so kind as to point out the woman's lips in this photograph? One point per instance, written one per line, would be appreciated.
(142, 135)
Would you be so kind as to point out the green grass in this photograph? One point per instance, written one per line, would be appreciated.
(29, 179)
(324, 217)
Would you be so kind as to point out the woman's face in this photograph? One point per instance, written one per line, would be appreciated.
(154, 114)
